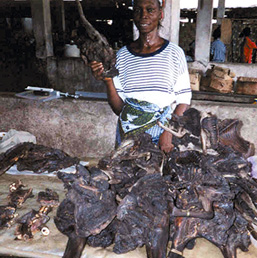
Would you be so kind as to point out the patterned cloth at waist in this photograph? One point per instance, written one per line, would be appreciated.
(138, 116)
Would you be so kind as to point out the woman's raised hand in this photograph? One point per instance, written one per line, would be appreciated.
(97, 70)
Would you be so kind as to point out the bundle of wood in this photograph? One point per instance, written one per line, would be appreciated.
(218, 79)
(138, 196)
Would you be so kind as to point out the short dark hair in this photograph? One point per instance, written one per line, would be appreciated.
(217, 33)
(246, 32)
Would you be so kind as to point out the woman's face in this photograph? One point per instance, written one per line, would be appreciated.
(146, 14)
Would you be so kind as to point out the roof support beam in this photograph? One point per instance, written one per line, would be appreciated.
(203, 31)
(41, 16)
(60, 17)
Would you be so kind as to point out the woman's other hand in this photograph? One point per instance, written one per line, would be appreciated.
(165, 142)
(114, 99)
(97, 69)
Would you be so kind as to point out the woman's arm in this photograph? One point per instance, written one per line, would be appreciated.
(180, 109)
(114, 99)
(165, 140)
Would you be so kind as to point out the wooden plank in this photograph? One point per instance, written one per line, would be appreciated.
(226, 31)
(246, 79)
(248, 88)
(223, 97)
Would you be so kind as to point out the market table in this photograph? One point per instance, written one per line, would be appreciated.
(53, 245)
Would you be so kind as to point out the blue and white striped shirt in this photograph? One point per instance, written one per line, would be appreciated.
(160, 78)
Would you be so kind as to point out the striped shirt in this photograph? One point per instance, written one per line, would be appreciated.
(160, 78)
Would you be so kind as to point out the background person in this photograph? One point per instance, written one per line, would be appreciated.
(247, 46)
(218, 48)
(153, 75)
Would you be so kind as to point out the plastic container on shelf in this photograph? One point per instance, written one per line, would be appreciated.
(71, 50)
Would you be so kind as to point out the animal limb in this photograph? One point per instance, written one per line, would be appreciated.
(91, 31)
(181, 132)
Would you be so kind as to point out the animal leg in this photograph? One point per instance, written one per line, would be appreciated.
(157, 245)
(75, 247)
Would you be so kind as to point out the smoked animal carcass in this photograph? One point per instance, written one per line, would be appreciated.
(7, 216)
(30, 223)
(36, 158)
(18, 195)
(143, 218)
(95, 47)
(88, 209)
(205, 131)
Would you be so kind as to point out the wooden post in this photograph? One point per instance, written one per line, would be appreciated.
(60, 18)
(42, 28)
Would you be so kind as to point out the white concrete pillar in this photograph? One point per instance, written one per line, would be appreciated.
(42, 28)
(220, 11)
(170, 23)
(203, 30)
(135, 32)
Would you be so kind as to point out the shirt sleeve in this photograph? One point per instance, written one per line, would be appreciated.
(224, 47)
(118, 87)
(182, 88)
(251, 44)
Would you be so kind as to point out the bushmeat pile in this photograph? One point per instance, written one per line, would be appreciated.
(138, 196)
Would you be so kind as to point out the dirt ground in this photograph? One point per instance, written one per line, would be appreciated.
(53, 245)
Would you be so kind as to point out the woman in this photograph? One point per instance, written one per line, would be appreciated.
(247, 46)
(152, 76)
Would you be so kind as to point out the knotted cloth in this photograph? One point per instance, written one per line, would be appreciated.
(141, 116)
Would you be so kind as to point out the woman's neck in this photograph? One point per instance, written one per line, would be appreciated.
(147, 43)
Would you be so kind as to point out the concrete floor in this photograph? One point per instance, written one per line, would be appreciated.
(54, 245)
